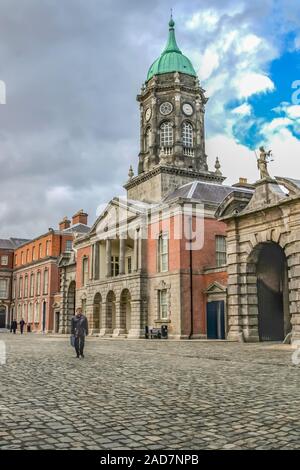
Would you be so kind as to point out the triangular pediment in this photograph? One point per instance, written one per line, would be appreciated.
(117, 215)
(216, 288)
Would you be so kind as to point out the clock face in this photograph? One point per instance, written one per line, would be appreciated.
(148, 114)
(166, 108)
(187, 109)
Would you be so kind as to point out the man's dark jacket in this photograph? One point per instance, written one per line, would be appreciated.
(79, 326)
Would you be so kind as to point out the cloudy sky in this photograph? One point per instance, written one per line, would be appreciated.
(72, 68)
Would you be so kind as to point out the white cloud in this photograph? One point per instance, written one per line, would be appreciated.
(209, 62)
(293, 111)
(244, 109)
(249, 84)
(249, 43)
(206, 18)
(237, 161)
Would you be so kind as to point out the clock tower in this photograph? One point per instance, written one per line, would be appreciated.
(172, 137)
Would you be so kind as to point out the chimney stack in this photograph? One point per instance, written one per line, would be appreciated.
(80, 218)
(243, 183)
(64, 224)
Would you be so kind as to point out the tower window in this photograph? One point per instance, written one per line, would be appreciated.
(187, 134)
(166, 135)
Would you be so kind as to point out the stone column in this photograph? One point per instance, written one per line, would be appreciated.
(235, 326)
(140, 249)
(136, 251)
(93, 261)
(103, 316)
(97, 260)
(122, 256)
(292, 252)
(137, 327)
(108, 258)
(118, 330)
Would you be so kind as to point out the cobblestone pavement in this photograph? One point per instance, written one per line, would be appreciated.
(148, 395)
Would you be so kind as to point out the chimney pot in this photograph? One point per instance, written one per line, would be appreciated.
(80, 217)
(64, 224)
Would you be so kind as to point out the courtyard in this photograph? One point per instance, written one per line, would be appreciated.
(148, 395)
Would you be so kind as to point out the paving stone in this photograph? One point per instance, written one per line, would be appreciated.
(123, 395)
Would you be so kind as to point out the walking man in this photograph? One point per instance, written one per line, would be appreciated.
(79, 328)
(22, 324)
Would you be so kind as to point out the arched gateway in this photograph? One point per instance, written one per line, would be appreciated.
(268, 264)
(263, 255)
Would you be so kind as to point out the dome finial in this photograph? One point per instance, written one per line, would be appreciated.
(171, 22)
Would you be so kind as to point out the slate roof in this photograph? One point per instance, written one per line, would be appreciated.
(11, 243)
(203, 191)
(78, 228)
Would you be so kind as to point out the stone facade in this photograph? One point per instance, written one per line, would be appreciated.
(267, 220)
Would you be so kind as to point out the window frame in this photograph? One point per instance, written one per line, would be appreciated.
(166, 134)
(163, 237)
(4, 260)
(163, 305)
(221, 254)
(187, 133)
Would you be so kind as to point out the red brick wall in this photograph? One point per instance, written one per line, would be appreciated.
(57, 245)
(179, 260)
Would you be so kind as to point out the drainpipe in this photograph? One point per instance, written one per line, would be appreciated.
(191, 280)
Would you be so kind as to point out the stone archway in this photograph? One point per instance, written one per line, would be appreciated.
(268, 272)
(71, 304)
(96, 318)
(110, 312)
(125, 311)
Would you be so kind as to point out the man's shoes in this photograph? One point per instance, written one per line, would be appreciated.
(77, 357)
(82, 355)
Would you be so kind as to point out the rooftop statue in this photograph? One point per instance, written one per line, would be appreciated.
(262, 162)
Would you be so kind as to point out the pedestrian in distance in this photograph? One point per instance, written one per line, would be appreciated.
(13, 326)
(22, 324)
(79, 330)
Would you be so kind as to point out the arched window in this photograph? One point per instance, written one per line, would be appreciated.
(187, 134)
(166, 134)
(147, 139)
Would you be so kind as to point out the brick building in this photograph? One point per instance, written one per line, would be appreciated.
(36, 275)
(136, 267)
(7, 248)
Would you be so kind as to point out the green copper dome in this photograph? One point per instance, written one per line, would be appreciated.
(171, 59)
